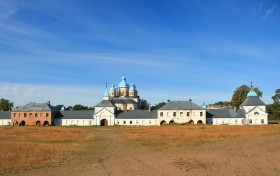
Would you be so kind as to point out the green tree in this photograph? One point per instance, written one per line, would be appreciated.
(157, 106)
(240, 94)
(276, 97)
(273, 111)
(79, 107)
(223, 103)
(6, 105)
(58, 107)
(144, 104)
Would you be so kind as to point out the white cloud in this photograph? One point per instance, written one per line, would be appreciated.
(7, 9)
(270, 11)
(22, 94)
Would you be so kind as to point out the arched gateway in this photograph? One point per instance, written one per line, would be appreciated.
(104, 122)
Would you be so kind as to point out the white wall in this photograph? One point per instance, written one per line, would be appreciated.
(5, 122)
(78, 122)
(140, 122)
(225, 121)
(104, 113)
(181, 116)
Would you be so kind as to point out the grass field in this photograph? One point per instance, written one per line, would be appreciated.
(29, 146)
(35, 147)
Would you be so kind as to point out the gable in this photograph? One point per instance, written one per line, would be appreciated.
(256, 111)
(104, 111)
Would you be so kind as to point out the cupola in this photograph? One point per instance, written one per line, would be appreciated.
(106, 95)
(123, 82)
(252, 92)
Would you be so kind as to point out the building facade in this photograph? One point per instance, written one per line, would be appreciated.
(121, 106)
(181, 112)
(34, 114)
(252, 111)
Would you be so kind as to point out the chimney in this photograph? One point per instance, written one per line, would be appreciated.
(149, 109)
(190, 99)
(49, 102)
(234, 109)
(168, 101)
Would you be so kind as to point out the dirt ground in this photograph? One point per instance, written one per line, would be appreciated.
(110, 152)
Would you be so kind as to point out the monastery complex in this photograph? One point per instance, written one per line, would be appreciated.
(121, 106)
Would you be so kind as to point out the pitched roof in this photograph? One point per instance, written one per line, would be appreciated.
(5, 114)
(105, 103)
(137, 114)
(181, 105)
(36, 107)
(81, 114)
(225, 113)
(123, 101)
(253, 101)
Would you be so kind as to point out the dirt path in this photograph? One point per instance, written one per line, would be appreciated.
(110, 153)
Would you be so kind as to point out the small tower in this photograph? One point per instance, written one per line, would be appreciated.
(113, 91)
(123, 87)
(252, 92)
(132, 90)
(106, 95)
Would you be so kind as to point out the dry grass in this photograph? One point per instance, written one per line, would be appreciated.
(178, 135)
(33, 146)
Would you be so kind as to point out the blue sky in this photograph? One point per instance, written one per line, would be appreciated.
(64, 51)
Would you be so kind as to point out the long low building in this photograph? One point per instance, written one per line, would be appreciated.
(121, 107)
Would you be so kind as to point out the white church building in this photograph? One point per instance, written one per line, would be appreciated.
(251, 112)
(121, 106)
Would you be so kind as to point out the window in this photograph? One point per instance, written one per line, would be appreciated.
(124, 122)
(118, 122)
(36, 114)
(130, 108)
(235, 121)
(161, 114)
(262, 121)
(14, 114)
(30, 114)
(181, 114)
(250, 121)
(174, 114)
(201, 114)
(47, 114)
(256, 113)
(188, 114)
(130, 122)
(24, 115)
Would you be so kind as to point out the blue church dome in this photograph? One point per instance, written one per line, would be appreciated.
(113, 88)
(106, 94)
(252, 93)
(132, 87)
(123, 82)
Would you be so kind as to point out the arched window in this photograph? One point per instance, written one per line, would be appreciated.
(256, 113)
